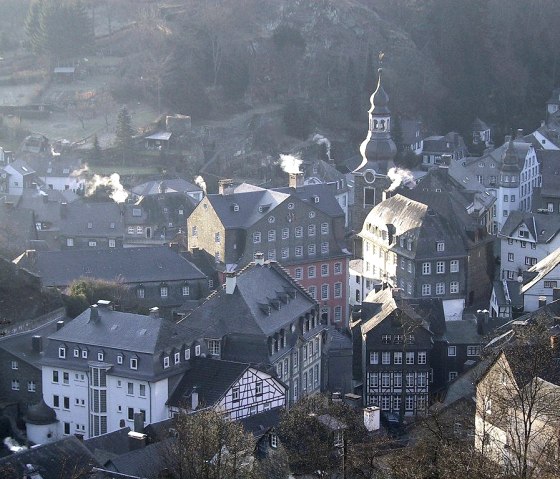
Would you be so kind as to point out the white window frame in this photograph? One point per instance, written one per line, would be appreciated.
(451, 351)
(426, 268)
(454, 266)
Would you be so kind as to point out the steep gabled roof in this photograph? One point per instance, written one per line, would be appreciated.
(542, 226)
(321, 196)
(156, 187)
(265, 300)
(542, 268)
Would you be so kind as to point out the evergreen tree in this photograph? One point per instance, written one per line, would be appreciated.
(33, 25)
(96, 152)
(124, 133)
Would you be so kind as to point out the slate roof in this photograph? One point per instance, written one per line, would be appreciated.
(122, 331)
(128, 265)
(248, 204)
(550, 172)
(462, 332)
(59, 167)
(409, 129)
(110, 445)
(155, 187)
(259, 424)
(102, 215)
(439, 143)
(212, 379)
(60, 459)
(148, 461)
(542, 268)
(242, 312)
(514, 292)
(324, 192)
(542, 226)
(325, 172)
(464, 386)
(424, 225)
(21, 167)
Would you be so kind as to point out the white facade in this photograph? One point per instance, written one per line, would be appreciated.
(72, 397)
(543, 287)
(63, 183)
(359, 286)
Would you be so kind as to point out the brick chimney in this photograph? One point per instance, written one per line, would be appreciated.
(37, 343)
(295, 180)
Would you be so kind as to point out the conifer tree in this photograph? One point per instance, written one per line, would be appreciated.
(124, 133)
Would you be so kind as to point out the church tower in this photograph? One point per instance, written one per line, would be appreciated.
(378, 151)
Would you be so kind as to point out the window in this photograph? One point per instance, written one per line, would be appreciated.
(397, 358)
(130, 389)
(142, 390)
(338, 313)
(197, 350)
(338, 268)
(55, 376)
(374, 357)
(285, 233)
(165, 362)
(274, 439)
(92, 244)
(421, 357)
(56, 401)
(454, 287)
(66, 377)
(409, 266)
(426, 268)
(111, 243)
(194, 231)
(259, 388)
(311, 271)
(133, 363)
(163, 291)
(397, 380)
(473, 350)
(70, 242)
(506, 199)
(299, 251)
(84, 353)
(452, 375)
(272, 254)
(324, 247)
(386, 339)
(324, 269)
(15, 384)
(271, 235)
(217, 237)
(31, 386)
(506, 212)
(452, 350)
(14, 364)
(187, 354)
(256, 237)
(140, 293)
(177, 358)
(66, 402)
(440, 288)
(530, 261)
(311, 249)
(119, 359)
(298, 273)
(62, 352)
(235, 393)
(324, 228)
(385, 403)
(214, 347)
(550, 284)
(440, 267)
(426, 289)
(338, 290)
(385, 380)
(299, 231)
(454, 266)
(285, 252)
(410, 357)
(324, 291)
(130, 414)
(385, 357)
(524, 244)
(440, 246)
(100, 356)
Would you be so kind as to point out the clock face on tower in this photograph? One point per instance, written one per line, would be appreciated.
(369, 176)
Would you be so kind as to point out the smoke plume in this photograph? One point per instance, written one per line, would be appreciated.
(322, 140)
(118, 194)
(399, 177)
(199, 181)
(290, 163)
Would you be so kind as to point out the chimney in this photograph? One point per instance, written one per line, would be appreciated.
(295, 180)
(139, 422)
(45, 198)
(231, 281)
(136, 440)
(154, 312)
(542, 301)
(225, 187)
(259, 258)
(63, 209)
(519, 134)
(194, 399)
(59, 325)
(93, 314)
(371, 418)
(104, 304)
(396, 293)
(37, 343)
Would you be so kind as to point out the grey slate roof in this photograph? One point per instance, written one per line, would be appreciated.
(110, 445)
(544, 227)
(550, 172)
(22, 167)
(212, 379)
(259, 424)
(148, 461)
(129, 265)
(444, 143)
(248, 206)
(324, 192)
(462, 332)
(122, 331)
(102, 215)
(242, 312)
(64, 458)
(155, 187)
(542, 268)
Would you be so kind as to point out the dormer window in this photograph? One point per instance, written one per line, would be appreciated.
(187, 354)
(440, 246)
(197, 350)
(133, 363)
(62, 352)
(273, 441)
(235, 207)
(100, 356)
(214, 347)
(120, 359)
(76, 353)
(165, 362)
(136, 212)
(90, 225)
(177, 358)
(84, 353)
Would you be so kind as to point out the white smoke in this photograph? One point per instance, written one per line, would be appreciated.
(400, 177)
(290, 163)
(118, 194)
(80, 172)
(322, 140)
(199, 181)
(13, 445)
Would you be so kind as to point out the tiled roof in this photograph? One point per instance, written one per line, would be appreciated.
(212, 378)
(128, 265)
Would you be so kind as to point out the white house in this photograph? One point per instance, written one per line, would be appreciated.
(540, 282)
